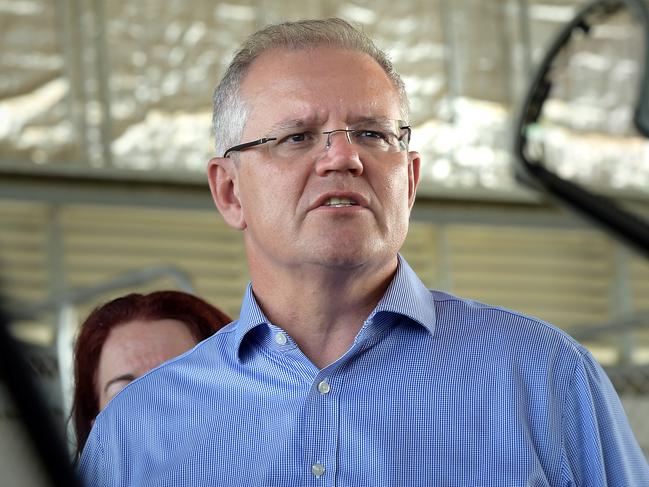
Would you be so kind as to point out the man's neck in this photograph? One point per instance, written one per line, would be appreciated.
(322, 309)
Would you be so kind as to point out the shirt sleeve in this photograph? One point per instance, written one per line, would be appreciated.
(599, 446)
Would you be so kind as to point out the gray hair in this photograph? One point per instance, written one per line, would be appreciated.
(230, 111)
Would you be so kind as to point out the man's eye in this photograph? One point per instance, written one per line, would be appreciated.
(371, 134)
(296, 138)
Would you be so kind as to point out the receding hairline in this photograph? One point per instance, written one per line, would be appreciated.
(278, 50)
(302, 33)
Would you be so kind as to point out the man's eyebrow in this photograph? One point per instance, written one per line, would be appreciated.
(312, 121)
(378, 119)
(288, 124)
(119, 378)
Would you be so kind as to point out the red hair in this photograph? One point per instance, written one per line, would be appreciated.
(202, 320)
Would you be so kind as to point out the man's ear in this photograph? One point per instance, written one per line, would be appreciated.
(414, 164)
(223, 177)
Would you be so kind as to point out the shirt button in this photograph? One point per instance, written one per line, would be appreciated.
(280, 338)
(324, 387)
(317, 469)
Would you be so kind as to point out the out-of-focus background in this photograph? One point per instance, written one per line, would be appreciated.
(105, 135)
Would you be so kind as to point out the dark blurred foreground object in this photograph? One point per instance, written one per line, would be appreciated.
(534, 168)
(32, 450)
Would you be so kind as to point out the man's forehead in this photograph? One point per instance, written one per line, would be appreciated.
(315, 119)
(311, 90)
(284, 118)
(308, 64)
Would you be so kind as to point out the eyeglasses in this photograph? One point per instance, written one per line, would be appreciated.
(373, 136)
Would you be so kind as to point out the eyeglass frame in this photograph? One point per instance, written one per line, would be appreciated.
(328, 133)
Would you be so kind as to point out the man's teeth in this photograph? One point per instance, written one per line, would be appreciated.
(340, 202)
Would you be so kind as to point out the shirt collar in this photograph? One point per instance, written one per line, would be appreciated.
(250, 317)
(406, 295)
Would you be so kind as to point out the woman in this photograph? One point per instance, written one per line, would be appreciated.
(127, 337)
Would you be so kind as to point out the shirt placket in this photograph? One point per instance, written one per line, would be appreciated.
(322, 429)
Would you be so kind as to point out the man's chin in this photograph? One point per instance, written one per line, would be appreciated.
(349, 256)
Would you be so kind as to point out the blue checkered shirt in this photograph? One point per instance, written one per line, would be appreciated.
(434, 391)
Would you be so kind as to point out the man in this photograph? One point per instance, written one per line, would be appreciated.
(343, 369)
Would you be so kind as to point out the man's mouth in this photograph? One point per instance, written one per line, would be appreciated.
(339, 202)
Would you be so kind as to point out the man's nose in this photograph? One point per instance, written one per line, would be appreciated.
(340, 154)
(330, 134)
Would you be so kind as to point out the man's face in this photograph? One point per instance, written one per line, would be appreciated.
(284, 206)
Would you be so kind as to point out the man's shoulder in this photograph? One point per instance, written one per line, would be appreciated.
(195, 366)
(213, 350)
(478, 320)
